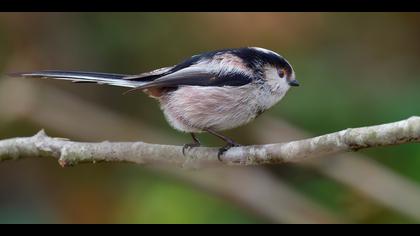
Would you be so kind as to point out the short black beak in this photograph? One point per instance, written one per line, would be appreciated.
(294, 83)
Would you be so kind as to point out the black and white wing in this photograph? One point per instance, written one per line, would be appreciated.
(197, 76)
(201, 71)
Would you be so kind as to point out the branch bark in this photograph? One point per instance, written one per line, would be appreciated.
(70, 153)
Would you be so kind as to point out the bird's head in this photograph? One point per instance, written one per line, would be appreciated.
(276, 67)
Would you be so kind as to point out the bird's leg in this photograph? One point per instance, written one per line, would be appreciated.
(229, 142)
(195, 143)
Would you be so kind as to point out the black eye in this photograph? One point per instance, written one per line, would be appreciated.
(281, 73)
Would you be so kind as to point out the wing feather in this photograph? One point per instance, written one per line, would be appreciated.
(197, 76)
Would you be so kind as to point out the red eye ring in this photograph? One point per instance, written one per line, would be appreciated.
(282, 73)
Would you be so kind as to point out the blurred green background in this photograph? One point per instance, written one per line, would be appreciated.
(356, 69)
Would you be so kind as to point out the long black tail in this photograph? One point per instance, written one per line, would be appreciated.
(83, 77)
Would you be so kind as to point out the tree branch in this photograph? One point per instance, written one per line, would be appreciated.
(69, 152)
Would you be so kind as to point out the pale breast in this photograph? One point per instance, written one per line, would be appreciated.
(194, 108)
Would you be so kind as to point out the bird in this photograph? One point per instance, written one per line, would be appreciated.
(209, 92)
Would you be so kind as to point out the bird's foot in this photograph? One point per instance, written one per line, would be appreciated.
(196, 143)
(225, 148)
(189, 146)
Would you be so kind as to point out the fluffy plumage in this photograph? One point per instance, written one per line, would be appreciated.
(211, 91)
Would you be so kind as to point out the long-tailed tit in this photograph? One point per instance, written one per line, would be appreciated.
(209, 92)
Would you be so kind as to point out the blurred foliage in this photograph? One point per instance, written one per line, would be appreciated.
(156, 199)
(356, 69)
